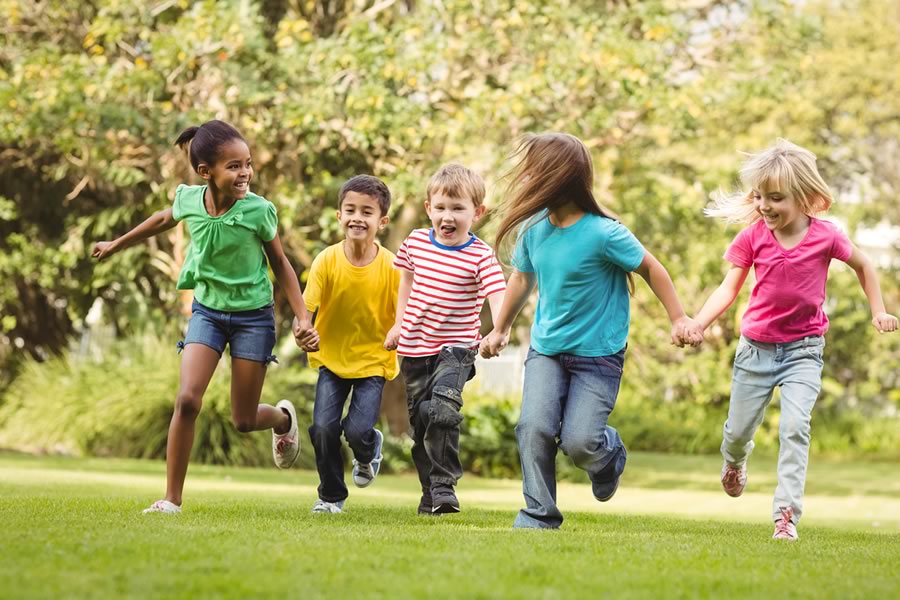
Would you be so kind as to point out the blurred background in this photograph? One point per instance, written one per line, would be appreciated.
(665, 93)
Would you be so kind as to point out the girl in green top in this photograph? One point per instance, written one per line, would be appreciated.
(233, 233)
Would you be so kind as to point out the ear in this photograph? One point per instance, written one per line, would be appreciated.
(479, 212)
(338, 214)
(428, 208)
(204, 171)
(383, 221)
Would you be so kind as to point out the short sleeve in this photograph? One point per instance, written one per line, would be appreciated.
(841, 246)
(178, 206)
(490, 276)
(268, 224)
(623, 249)
(312, 295)
(740, 252)
(521, 259)
(403, 260)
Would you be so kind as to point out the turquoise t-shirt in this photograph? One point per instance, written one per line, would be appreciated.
(583, 301)
(226, 265)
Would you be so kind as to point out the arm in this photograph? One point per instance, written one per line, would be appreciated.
(306, 335)
(393, 336)
(157, 223)
(518, 288)
(724, 295)
(868, 279)
(684, 329)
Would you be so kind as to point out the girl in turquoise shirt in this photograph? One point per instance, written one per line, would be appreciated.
(234, 237)
(581, 260)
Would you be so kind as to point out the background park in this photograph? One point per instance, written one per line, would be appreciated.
(664, 92)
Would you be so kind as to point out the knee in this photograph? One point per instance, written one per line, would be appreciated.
(243, 424)
(187, 404)
(794, 429)
(579, 449)
(353, 434)
(321, 433)
(530, 432)
(443, 410)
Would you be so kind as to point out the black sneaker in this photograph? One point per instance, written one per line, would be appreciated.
(425, 504)
(443, 500)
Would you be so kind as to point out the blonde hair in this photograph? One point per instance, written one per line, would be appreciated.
(785, 166)
(551, 170)
(457, 181)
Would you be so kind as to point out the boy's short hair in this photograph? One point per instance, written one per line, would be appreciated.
(458, 182)
(370, 186)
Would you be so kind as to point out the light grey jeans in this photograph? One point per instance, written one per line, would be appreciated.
(758, 369)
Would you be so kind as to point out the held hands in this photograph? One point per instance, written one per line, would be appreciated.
(885, 323)
(493, 344)
(393, 338)
(305, 335)
(687, 331)
(103, 250)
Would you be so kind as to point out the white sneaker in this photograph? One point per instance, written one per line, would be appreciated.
(328, 507)
(365, 473)
(163, 506)
(286, 446)
(784, 527)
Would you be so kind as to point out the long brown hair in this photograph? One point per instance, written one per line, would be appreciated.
(551, 169)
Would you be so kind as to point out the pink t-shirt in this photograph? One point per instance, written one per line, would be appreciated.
(786, 302)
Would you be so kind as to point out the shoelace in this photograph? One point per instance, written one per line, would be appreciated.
(282, 441)
(732, 475)
(783, 525)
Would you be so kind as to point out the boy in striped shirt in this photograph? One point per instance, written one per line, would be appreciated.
(446, 275)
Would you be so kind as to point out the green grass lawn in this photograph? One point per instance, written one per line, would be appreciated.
(73, 528)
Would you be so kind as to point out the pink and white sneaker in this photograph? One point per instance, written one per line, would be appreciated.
(734, 479)
(286, 446)
(784, 528)
(163, 506)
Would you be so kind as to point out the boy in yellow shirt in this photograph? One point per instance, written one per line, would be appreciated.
(353, 286)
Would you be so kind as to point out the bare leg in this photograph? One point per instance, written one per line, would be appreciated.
(198, 363)
(248, 414)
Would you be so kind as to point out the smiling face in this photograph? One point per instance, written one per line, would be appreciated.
(779, 208)
(360, 217)
(232, 172)
(452, 218)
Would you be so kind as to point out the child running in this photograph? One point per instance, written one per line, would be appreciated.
(353, 287)
(233, 231)
(446, 275)
(781, 341)
(581, 259)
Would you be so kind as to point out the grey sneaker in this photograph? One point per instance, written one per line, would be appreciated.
(365, 473)
(286, 446)
(443, 500)
(328, 507)
(603, 492)
(163, 506)
(425, 504)
(734, 479)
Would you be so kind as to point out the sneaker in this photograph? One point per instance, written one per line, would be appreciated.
(286, 446)
(784, 528)
(163, 506)
(425, 504)
(443, 500)
(365, 473)
(328, 507)
(604, 492)
(734, 479)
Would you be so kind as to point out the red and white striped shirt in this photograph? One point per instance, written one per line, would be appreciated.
(450, 284)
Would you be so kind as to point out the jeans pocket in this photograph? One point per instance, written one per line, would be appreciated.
(445, 406)
(607, 366)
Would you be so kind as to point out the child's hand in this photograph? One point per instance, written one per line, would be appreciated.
(393, 338)
(687, 331)
(885, 323)
(305, 335)
(493, 344)
(102, 250)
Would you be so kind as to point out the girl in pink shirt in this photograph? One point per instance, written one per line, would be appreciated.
(781, 341)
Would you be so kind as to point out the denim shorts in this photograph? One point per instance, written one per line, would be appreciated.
(250, 333)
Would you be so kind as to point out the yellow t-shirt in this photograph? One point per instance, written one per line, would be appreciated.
(357, 307)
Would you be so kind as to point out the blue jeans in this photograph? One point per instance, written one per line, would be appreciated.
(566, 403)
(250, 333)
(358, 427)
(758, 369)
